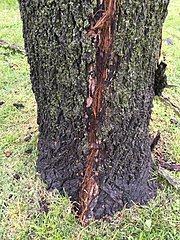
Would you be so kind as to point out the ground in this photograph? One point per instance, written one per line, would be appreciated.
(27, 210)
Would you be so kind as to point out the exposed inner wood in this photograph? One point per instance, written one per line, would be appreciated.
(102, 33)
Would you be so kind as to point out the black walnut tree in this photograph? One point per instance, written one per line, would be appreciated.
(93, 65)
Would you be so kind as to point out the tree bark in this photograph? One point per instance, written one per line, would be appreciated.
(92, 67)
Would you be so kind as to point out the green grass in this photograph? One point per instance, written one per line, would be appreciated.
(23, 196)
(9, 4)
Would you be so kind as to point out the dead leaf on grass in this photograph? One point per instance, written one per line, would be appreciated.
(8, 154)
(174, 181)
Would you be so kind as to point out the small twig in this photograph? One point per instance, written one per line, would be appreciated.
(168, 102)
(5, 44)
(171, 86)
(168, 165)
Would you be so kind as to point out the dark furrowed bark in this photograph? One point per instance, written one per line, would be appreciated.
(77, 121)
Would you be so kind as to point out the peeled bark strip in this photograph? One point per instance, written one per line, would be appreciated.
(93, 67)
(102, 33)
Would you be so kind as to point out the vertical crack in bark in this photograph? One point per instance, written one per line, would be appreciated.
(101, 33)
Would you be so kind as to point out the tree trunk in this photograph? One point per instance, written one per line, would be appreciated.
(92, 66)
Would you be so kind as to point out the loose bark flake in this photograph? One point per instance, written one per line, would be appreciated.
(102, 33)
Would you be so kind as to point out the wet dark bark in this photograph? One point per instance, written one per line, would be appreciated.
(94, 87)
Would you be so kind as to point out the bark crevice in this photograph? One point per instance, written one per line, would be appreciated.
(101, 33)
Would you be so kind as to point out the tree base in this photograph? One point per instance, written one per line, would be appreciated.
(114, 194)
